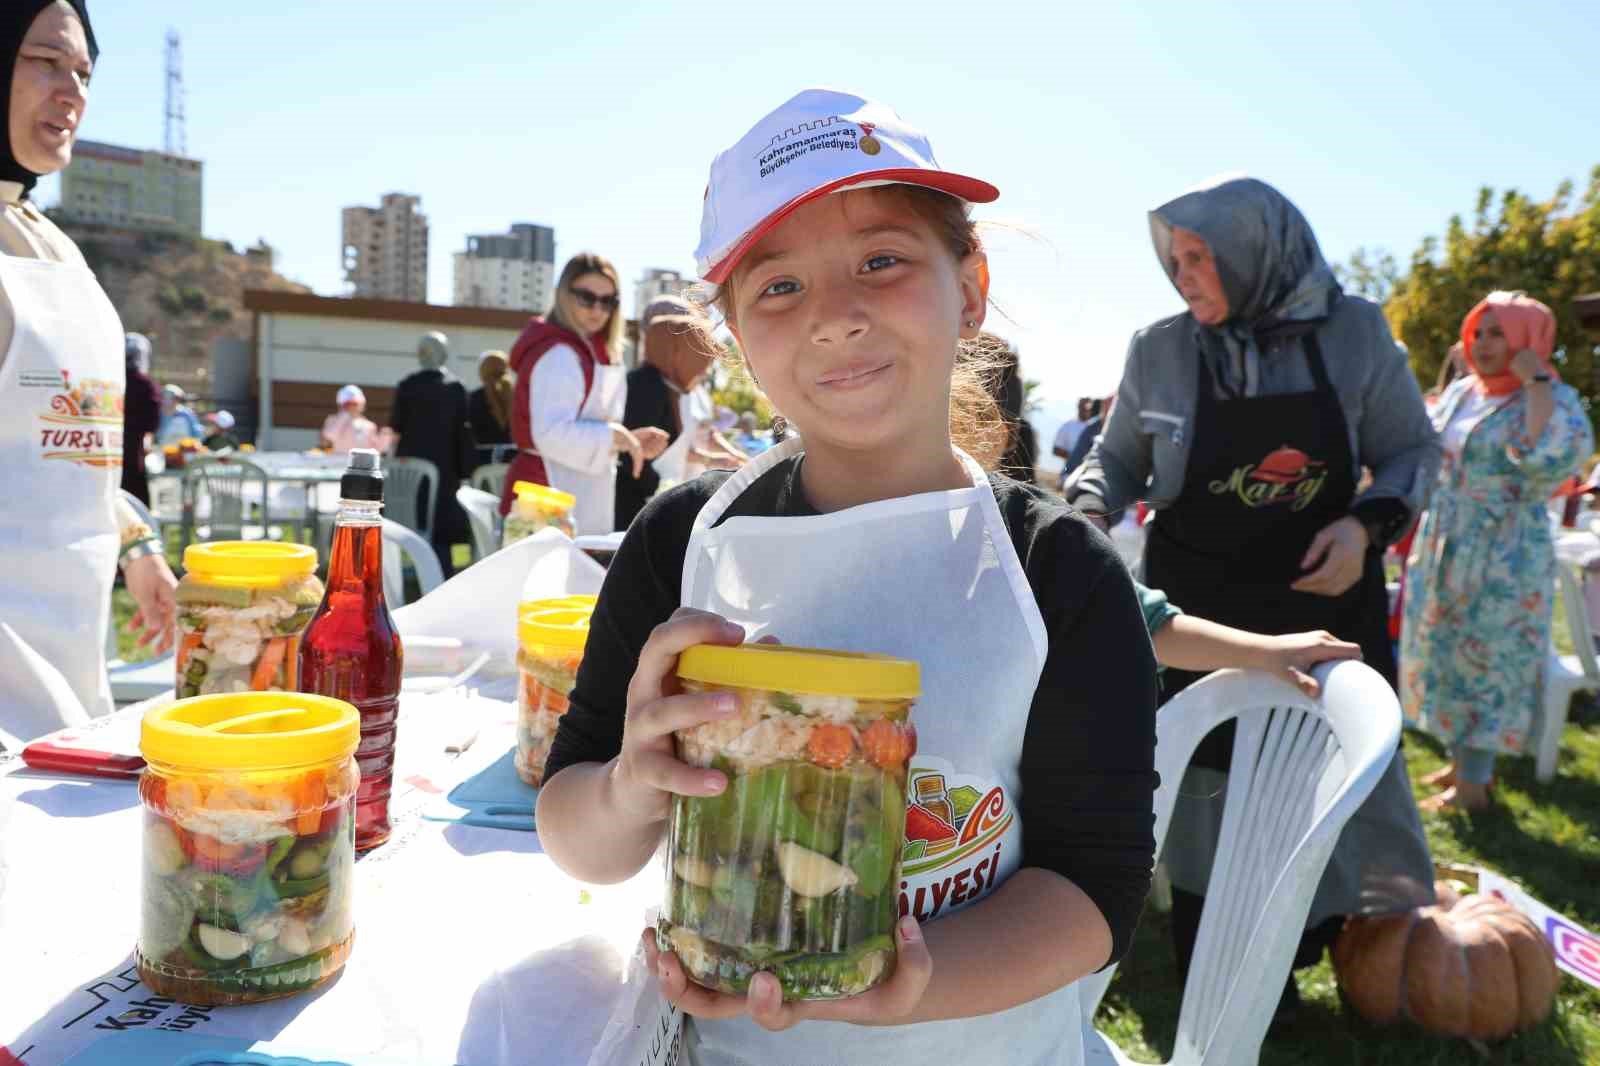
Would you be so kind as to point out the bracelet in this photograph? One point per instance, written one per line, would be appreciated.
(136, 533)
(138, 550)
(1542, 378)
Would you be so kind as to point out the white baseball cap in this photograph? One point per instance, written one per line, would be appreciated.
(351, 394)
(821, 141)
(221, 419)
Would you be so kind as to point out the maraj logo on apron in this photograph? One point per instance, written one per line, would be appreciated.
(84, 422)
(1287, 476)
(954, 830)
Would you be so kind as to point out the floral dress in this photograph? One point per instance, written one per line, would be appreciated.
(1481, 575)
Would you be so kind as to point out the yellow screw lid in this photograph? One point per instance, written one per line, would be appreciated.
(250, 564)
(544, 497)
(555, 624)
(250, 731)
(814, 671)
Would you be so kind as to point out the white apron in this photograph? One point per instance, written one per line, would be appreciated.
(596, 492)
(694, 411)
(61, 388)
(931, 577)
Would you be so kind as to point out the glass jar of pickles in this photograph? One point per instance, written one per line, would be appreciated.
(249, 845)
(537, 507)
(550, 637)
(242, 606)
(792, 868)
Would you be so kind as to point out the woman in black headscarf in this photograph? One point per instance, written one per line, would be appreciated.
(1246, 421)
(65, 527)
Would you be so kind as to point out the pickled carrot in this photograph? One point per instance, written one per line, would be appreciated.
(313, 794)
(830, 745)
(267, 666)
(186, 647)
(885, 744)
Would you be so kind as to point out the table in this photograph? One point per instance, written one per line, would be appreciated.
(310, 472)
(471, 946)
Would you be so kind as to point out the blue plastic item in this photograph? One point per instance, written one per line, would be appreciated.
(494, 798)
(154, 1047)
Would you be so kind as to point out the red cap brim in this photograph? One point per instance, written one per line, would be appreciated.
(969, 189)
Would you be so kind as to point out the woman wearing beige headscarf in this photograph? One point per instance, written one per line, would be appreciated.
(668, 390)
(489, 406)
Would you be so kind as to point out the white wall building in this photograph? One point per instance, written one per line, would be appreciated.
(656, 282)
(386, 249)
(128, 188)
(512, 271)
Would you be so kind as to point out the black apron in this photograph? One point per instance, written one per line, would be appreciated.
(1265, 475)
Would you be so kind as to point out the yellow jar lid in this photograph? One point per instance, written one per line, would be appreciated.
(813, 671)
(564, 626)
(251, 564)
(250, 731)
(544, 497)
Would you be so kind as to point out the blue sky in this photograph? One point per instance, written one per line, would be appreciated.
(1379, 119)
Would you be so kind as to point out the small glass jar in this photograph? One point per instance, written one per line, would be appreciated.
(792, 868)
(538, 507)
(249, 845)
(550, 638)
(242, 607)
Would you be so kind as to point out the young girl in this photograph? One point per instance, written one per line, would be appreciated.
(849, 270)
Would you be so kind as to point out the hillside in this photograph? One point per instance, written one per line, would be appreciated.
(182, 293)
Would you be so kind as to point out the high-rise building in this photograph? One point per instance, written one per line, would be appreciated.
(656, 282)
(129, 188)
(513, 271)
(386, 249)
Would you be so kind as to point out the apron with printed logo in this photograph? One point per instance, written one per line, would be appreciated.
(934, 578)
(60, 467)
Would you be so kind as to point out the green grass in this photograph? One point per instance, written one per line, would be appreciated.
(1545, 836)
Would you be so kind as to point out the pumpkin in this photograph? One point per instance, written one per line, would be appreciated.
(1471, 966)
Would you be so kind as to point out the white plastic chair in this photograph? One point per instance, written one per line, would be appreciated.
(397, 539)
(410, 487)
(490, 478)
(482, 512)
(1565, 675)
(1300, 769)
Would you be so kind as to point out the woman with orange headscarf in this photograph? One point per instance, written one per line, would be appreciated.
(1482, 568)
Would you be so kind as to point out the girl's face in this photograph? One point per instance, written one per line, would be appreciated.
(1194, 272)
(1489, 348)
(592, 299)
(849, 312)
(49, 90)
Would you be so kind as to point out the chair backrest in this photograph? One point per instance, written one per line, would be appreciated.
(224, 483)
(409, 486)
(1300, 769)
(1576, 607)
(490, 478)
(482, 510)
(397, 539)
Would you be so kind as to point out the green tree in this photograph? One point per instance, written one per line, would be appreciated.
(1371, 273)
(734, 388)
(1547, 248)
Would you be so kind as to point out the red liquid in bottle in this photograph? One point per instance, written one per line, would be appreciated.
(351, 650)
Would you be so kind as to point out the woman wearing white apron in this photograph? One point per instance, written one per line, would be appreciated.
(873, 532)
(566, 416)
(63, 525)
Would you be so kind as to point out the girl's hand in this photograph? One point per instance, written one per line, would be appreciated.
(1525, 365)
(888, 1003)
(1293, 655)
(647, 773)
(1341, 548)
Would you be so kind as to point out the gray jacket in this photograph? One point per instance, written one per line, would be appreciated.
(1144, 452)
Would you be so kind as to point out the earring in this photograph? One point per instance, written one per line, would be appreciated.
(972, 323)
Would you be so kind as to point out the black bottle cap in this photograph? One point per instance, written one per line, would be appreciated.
(362, 480)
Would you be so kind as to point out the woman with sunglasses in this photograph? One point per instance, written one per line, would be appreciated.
(566, 417)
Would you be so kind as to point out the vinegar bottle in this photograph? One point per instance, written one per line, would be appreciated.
(351, 650)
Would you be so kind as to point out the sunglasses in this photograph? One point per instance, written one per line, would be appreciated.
(590, 300)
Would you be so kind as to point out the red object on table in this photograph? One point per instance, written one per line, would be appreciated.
(43, 755)
(351, 651)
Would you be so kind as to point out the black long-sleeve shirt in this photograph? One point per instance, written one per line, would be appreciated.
(1087, 765)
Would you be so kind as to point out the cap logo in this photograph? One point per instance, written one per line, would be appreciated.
(869, 144)
(831, 134)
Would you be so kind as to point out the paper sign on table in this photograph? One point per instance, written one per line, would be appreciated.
(1577, 949)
